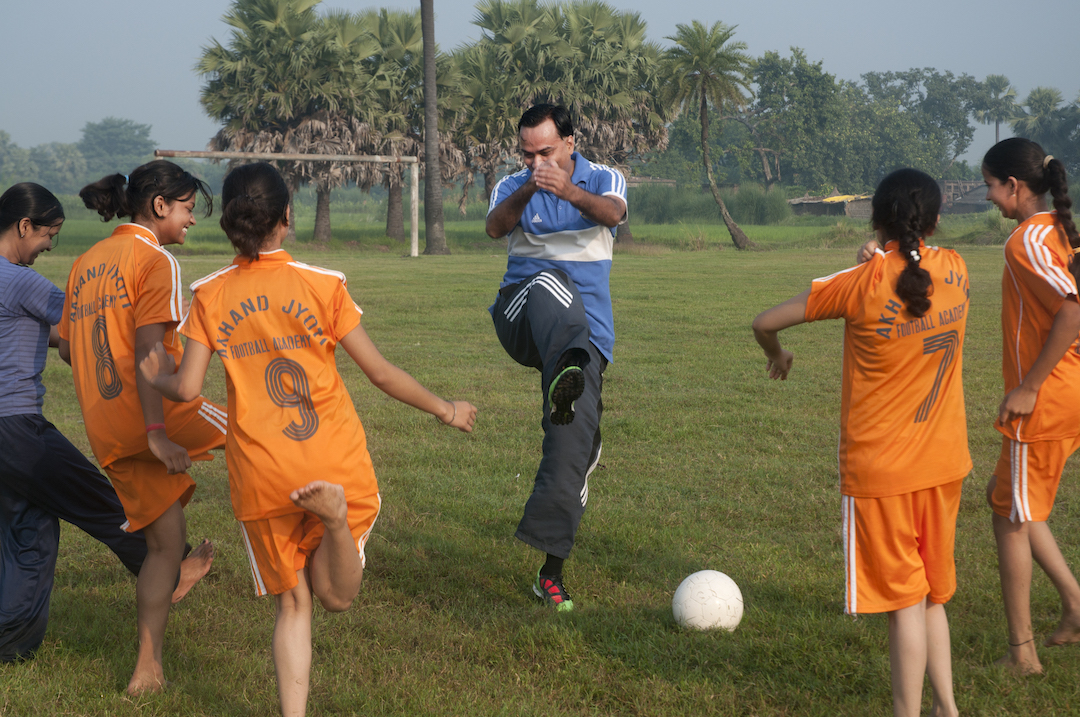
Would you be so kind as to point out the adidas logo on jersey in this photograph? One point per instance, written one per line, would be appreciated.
(536, 219)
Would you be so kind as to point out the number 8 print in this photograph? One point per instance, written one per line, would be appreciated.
(298, 397)
(108, 381)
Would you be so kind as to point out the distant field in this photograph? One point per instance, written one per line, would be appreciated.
(706, 464)
(352, 235)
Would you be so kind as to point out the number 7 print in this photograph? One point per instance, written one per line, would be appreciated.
(946, 343)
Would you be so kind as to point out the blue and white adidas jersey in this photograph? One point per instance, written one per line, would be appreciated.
(552, 234)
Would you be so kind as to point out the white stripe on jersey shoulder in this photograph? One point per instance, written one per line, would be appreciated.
(175, 301)
(844, 271)
(210, 277)
(318, 270)
(1041, 259)
(495, 192)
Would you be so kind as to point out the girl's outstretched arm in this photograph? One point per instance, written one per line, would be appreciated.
(396, 383)
(769, 323)
(183, 384)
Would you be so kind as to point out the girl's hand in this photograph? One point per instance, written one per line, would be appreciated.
(461, 416)
(157, 363)
(779, 367)
(1017, 403)
(866, 251)
(175, 458)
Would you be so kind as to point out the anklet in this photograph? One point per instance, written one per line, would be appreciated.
(1021, 643)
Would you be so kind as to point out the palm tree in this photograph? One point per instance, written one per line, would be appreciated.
(999, 105)
(288, 81)
(706, 68)
(1044, 120)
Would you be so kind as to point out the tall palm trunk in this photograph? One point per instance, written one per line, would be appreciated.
(738, 237)
(433, 209)
(322, 215)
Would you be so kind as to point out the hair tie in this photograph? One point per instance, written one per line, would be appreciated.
(125, 179)
(915, 255)
(1046, 160)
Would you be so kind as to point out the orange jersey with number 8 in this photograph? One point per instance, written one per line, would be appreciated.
(902, 422)
(275, 323)
(121, 283)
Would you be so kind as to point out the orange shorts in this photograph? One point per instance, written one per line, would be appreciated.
(899, 549)
(1027, 476)
(144, 486)
(278, 547)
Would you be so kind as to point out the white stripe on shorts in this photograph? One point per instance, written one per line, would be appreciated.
(851, 587)
(1018, 460)
(260, 587)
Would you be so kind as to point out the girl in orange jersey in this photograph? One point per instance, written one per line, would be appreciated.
(275, 323)
(123, 297)
(1040, 414)
(903, 434)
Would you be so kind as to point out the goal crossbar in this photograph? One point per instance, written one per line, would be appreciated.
(413, 162)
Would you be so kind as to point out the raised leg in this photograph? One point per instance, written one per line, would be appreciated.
(336, 568)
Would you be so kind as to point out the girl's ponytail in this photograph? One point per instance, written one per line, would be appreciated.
(1058, 186)
(905, 208)
(107, 196)
(118, 195)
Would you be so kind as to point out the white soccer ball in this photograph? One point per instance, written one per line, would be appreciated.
(708, 599)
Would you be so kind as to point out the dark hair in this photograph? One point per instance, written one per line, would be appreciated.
(1026, 160)
(538, 114)
(27, 200)
(255, 200)
(120, 196)
(905, 208)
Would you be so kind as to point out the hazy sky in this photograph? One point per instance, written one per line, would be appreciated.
(69, 62)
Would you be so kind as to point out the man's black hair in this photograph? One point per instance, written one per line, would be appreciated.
(538, 114)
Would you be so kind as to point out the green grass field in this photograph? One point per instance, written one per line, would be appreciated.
(706, 464)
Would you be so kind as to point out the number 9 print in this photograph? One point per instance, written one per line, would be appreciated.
(298, 397)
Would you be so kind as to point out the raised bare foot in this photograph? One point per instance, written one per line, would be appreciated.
(1068, 631)
(326, 500)
(1020, 667)
(193, 568)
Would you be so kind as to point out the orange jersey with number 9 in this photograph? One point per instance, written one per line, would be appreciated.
(275, 324)
(902, 422)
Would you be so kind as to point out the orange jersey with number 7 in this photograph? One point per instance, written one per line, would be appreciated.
(902, 422)
(275, 323)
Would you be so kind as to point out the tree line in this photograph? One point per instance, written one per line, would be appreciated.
(291, 79)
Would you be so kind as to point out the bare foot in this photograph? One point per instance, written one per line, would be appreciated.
(1068, 631)
(1020, 667)
(193, 568)
(326, 500)
(144, 684)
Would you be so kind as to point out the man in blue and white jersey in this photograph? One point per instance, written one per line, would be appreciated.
(553, 313)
